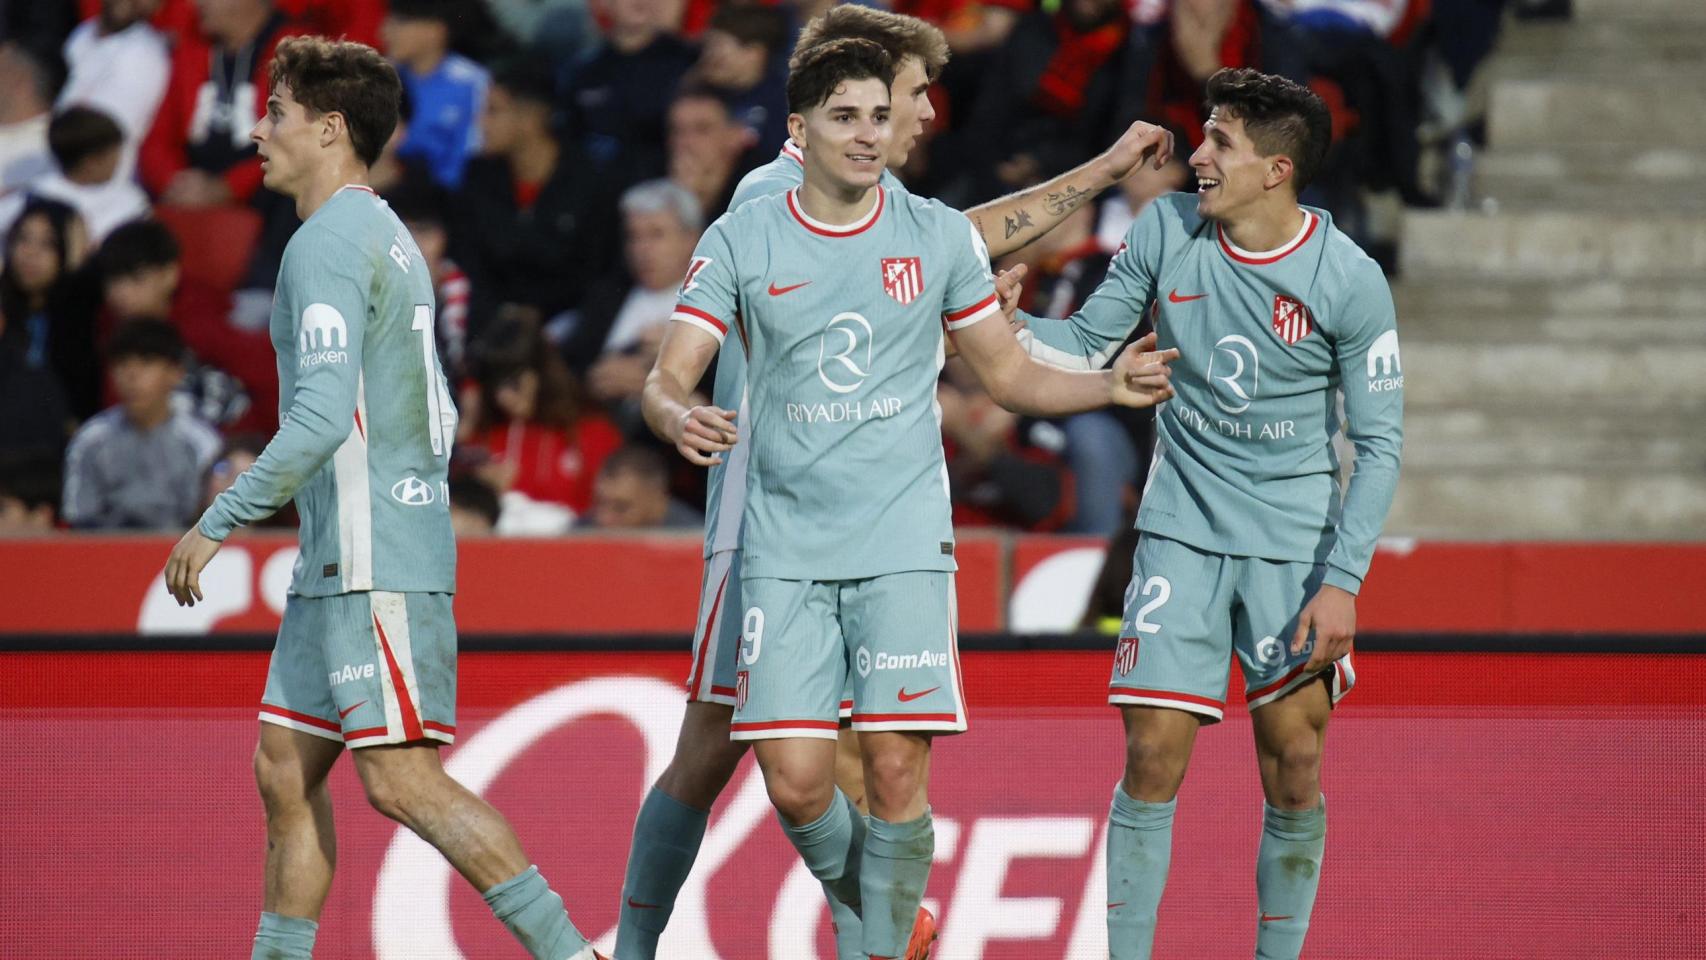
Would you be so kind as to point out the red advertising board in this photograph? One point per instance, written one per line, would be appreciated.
(1481, 807)
(583, 585)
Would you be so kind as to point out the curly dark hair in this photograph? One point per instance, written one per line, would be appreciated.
(342, 76)
(820, 71)
(1281, 116)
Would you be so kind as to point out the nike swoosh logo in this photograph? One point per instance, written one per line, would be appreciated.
(1267, 918)
(776, 291)
(1175, 298)
(905, 697)
(1117, 903)
(344, 713)
(637, 905)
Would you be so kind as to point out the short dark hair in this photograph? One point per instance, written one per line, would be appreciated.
(77, 133)
(471, 493)
(342, 76)
(639, 460)
(528, 79)
(902, 36)
(766, 26)
(146, 340)
(1281, 116)
(136, 246)
(824, 68)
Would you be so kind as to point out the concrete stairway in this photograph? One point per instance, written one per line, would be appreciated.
(1555, 342)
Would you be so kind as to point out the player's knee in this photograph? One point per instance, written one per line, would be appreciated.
(893, 779)
(281, 784)
(389, 799)
(1154, 767)
(1297, 768)
(799, 800)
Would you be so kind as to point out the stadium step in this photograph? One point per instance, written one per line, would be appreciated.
(1562, 244)
(1567, 109)
(1581, 312)
(1666, 379)
(1660, 11)
(1622, 177)
(1650, 49)
(1606, 438)
(1452, 502)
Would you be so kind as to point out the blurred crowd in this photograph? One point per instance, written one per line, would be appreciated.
(556, 162)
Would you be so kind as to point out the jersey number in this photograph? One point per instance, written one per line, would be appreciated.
(441, 416)
(752, 635)
(1162, 591)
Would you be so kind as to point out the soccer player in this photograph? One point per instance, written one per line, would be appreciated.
(839, 292)
(366, 655)
(672, 820)
(1246, 545)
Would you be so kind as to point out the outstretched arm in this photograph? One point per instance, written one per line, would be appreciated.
(1140, 378)
(1009, 223)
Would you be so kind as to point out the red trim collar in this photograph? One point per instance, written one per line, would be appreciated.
(1310, 222)
(358, 186)
(827, 230)
(793, 153)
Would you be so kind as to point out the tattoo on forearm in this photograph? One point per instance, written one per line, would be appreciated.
(1017, 223)
(1065, 201)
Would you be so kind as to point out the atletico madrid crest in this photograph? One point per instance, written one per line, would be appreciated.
(740, 689)
(903, 278)
(1291, 319)
(1125, 655)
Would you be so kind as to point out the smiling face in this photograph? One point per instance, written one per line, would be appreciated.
(846, 139)
(1232, 174)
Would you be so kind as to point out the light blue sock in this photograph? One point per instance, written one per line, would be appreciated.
(1140, 848)
(667, 835)
(849, 931)
(284, 938)
(535, 915)
(1288, 870)
(897, 867)
(830, 847)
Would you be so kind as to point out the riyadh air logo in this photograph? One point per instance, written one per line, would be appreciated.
(1385, 370)
(1234, 357)
(844, 353)
(412, 492)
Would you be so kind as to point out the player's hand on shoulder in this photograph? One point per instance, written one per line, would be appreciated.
(1141, 141)
(1332, 615)
(1009, 287)
(704, 433)
(184, 566)
(1142, 375)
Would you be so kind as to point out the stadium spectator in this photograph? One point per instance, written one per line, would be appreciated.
(561, 30)
(740, 63)
(29, 496)
(447, 90)
(543, 445)
(46, 306)
(422, 210)
(119, 64)
(34, 418)
(633, 494)
(198, 153)
(474, 508)
(529, 225)
(230, 377)
(1064, 84)
(615, 332)
(88, 149)
(998, 472)
(392, 173)
(618, 99)
(141, 463)
(27, 84)
(709, 149)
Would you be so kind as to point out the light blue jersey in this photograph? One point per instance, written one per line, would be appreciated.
(366, 422)
(728, 390)
(843, 332)
(1244, 463)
